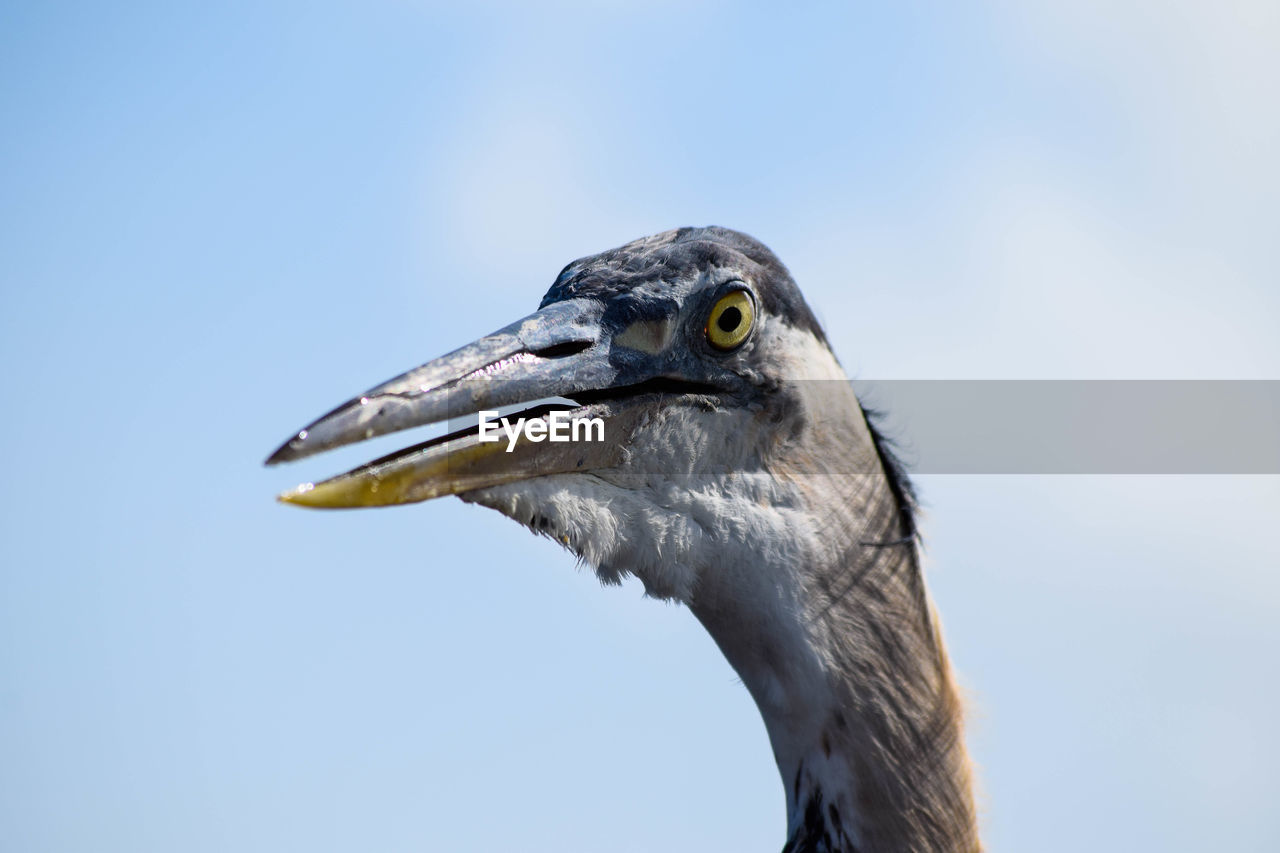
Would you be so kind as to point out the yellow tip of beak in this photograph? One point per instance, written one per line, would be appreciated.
(297, 495)
(344, 492)
(417, 477)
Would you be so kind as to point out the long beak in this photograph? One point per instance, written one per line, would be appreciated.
(558, 351)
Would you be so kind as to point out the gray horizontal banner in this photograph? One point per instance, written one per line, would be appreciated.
(1080, 426)
(1018, 426)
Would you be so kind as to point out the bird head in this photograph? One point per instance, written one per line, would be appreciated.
(706, 369)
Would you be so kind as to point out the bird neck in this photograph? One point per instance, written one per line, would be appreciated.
(839, 647)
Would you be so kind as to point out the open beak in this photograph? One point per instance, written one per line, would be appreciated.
(559, 351)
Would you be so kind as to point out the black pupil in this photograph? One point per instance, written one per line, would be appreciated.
(729, 319)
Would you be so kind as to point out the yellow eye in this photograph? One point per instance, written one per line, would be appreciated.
(730, 320)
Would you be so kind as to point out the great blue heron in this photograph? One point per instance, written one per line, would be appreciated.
(738, 475)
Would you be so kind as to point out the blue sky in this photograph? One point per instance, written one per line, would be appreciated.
(217, 221)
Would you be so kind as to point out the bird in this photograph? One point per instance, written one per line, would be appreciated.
(737, 474)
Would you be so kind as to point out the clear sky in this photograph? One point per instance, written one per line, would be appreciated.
(218, 220)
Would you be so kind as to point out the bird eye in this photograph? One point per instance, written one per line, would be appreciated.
(730, 320)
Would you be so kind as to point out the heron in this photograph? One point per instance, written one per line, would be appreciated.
(740, 476)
